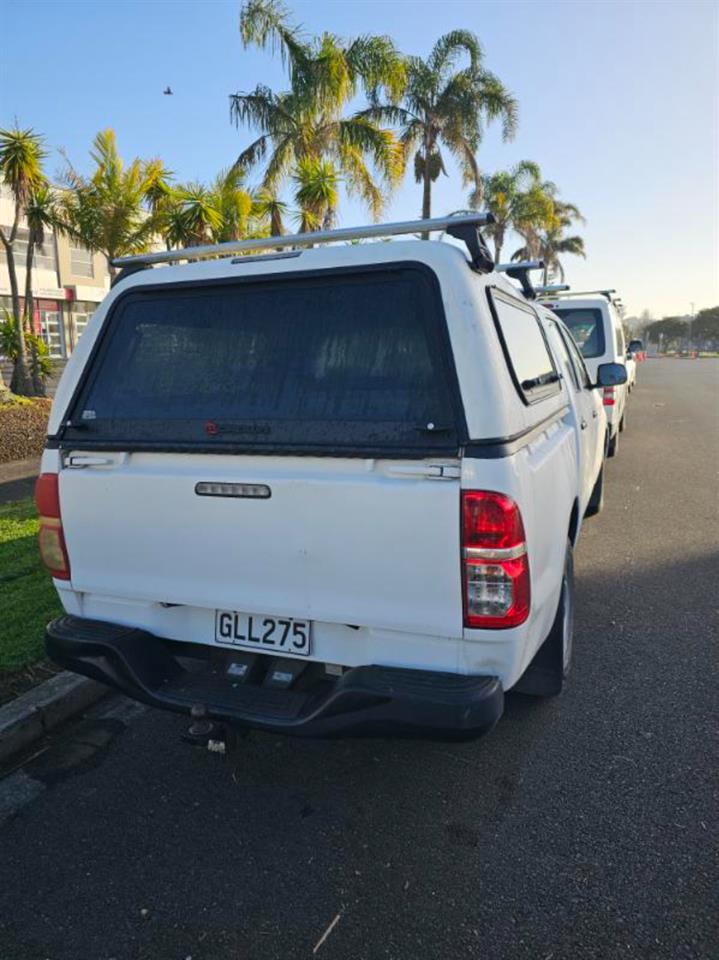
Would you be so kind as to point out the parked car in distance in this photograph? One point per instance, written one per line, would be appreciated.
(631, 364)
(636, 347)
(597, 329)
(323, 492)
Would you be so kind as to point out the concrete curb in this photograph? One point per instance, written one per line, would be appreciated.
(33, 714)
(19, 469)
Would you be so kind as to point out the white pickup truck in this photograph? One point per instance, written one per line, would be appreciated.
(595, 323)
(324, 491)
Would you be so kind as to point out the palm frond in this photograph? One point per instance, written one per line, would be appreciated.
(266, 23)
(377, 64)
(280, 163)
(253, 154)
(448, 47)
(360, 182)
(498, 103)
(21, 157)
(388, 113)
(381, 145)
(260, 108)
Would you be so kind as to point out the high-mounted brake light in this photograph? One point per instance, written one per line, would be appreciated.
(51, 539)
(495, 568)
(609, 396)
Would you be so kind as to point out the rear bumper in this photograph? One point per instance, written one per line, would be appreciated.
(364, 701)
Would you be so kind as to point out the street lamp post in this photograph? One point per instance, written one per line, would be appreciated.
(691, 323)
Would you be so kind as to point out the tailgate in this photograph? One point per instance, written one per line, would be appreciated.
(371, 543)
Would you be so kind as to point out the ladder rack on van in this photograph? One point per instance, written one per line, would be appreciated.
(465, 228)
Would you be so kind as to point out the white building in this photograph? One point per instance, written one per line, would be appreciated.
(68, 283)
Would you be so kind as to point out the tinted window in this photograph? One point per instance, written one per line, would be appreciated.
(340, 361)
(576, 356)
(525, 347)
(586, 326)
(566, 359)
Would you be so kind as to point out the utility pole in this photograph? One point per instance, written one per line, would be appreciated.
(691, 323)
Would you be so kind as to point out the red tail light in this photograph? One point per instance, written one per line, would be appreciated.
(609, 400)
(51, 539)
(495, 568)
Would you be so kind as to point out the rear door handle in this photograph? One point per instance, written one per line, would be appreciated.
(595, 414)
(78, 462)
(431, 471)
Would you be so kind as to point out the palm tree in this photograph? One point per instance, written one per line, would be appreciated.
(194, 214)
(268, 208)
(306, 122)
(550, 243)
(191, 217)
(325, 70)
(505, 195)
(317, 194)
(233, 203)
(535, 213)
(40, 215)
(110, 211)
(21, 157)
(443, 107)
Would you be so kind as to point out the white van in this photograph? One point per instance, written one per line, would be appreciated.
(597, 328)
(324, 491)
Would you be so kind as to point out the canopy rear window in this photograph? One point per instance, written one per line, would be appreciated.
(340, 360)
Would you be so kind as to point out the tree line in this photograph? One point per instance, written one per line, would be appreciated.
(701, 331)
(308, 146)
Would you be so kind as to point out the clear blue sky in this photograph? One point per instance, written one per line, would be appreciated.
(619, 103)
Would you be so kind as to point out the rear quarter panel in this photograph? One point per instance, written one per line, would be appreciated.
(543, 479)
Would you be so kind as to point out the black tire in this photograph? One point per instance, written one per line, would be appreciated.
(596, 501)
(623, 421)
(547, 673)
(613, 445)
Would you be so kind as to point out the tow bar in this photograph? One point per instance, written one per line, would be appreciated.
(204, 732)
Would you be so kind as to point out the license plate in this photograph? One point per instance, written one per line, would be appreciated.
(262, 633)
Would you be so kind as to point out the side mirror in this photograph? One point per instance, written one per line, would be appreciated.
(611, 375)
(630, 355)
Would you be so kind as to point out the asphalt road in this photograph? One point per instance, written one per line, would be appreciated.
(580, 828)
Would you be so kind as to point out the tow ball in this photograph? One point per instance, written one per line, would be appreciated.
(204, 732)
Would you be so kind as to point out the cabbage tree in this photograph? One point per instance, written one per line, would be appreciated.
(21, 170)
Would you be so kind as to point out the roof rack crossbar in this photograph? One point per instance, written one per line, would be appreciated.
(520, 271)
(590, 293)
(551, 288)
(463, 227)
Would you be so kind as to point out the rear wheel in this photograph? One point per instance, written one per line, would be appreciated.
(613, 444)
(596, 501)
(546, 674)
(623, 422)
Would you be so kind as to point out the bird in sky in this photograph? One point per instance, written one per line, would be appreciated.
(167, 91)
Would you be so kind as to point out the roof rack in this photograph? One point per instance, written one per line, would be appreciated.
(465, 228)
(588, 293)
(551, 288)
(520, 271)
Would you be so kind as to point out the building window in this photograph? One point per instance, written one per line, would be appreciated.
(81, 262)
(80, 319)
(44, 257)
(52, 327)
